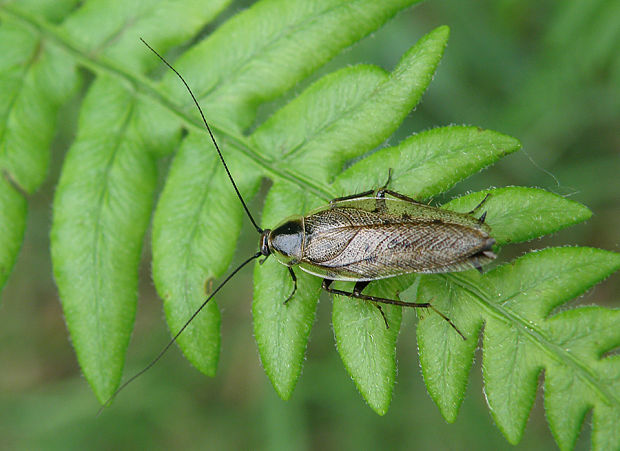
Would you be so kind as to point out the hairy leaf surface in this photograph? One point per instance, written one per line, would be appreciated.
(521, 214)
(36, 77)
(367, 346)
(192, 246)
(517, 304)
(104, 199)
(101, 209)
(327, 141)
(358, 111)
(428, 163)
(282, 330)
(253, 58)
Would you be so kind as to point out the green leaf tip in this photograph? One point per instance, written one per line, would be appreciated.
(367, 347)
(328, 141)
(13, 210)
(518, 214)
(441, 33)
(194, 238)
(429, 162)
(516, 303)
(282, 331)
(346, 114)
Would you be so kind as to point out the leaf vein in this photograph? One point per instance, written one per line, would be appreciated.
(16, 95)
(97, 235)
(284, 33)
(187, 243)
(539, 338)
(147, 88)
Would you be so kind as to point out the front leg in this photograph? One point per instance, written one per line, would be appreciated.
(294, 277)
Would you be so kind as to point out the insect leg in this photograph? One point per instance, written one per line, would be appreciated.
(294, 277)
(380, 194)
(365, 193)
(326, 287)
(380, 206)
(402, 197)
(387, 325)
(387, 182)
(359, 287)
(482, 202)
(477, 265)
(352, 196)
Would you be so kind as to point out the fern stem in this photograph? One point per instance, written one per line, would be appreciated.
(147, 88)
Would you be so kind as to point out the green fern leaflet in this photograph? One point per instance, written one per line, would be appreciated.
(320, 145)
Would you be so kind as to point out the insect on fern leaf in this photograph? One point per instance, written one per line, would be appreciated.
(345, 212)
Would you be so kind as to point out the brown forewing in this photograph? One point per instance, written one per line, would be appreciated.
(368, 239)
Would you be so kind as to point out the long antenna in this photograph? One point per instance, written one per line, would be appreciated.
(170, 343)
(258, 229)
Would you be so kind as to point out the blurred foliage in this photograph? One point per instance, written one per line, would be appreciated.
(545, 72)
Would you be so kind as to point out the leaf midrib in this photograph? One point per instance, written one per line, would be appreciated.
(237, 70)
(146, 88)
(536, 336)
(187, 289)
(351, 109)
(451, 152)
(17, 93)
(97, 235)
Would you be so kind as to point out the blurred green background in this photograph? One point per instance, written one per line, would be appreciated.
(545, 72)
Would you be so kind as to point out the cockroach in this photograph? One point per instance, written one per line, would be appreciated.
(363, 237)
